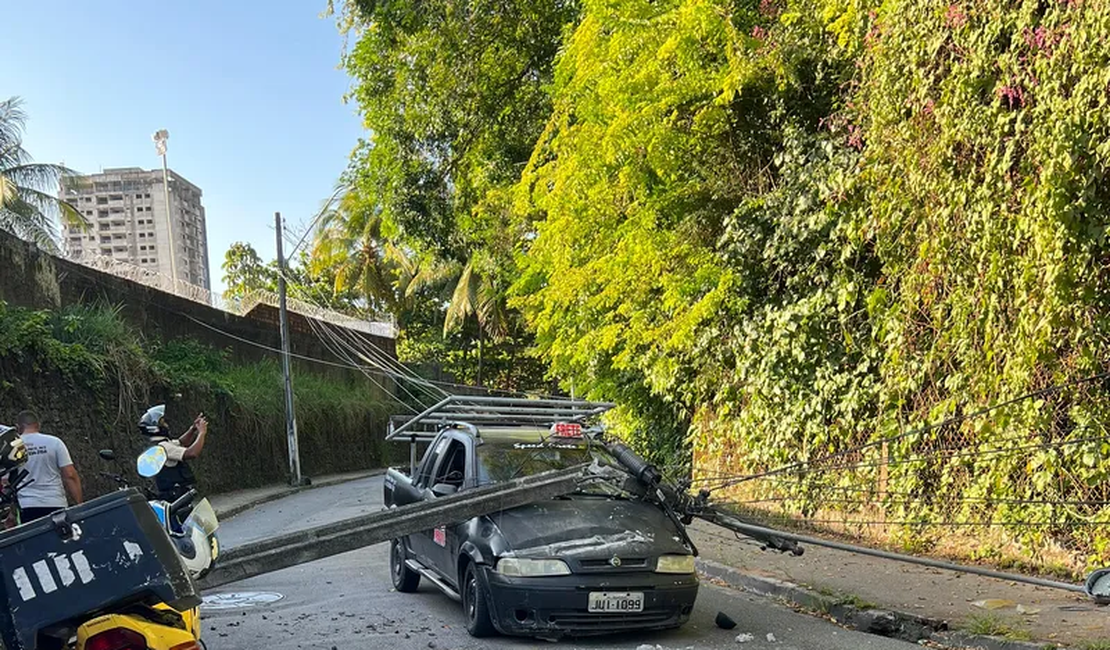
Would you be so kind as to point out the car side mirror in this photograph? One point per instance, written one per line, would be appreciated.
(107, 454)
(443, 489)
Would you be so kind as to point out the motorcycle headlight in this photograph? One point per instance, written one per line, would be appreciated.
(675, 564)
(520, 567)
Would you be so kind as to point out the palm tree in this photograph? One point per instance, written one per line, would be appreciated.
(350, 243)
(481, 295)
(28, 206)
(353, 241)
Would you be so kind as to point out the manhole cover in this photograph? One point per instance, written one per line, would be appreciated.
(239, 600)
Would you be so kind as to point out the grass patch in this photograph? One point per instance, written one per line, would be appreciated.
(1099, 644)
(845, 598)
(991, 624)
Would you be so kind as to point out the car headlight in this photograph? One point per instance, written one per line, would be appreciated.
(675, 564)
(513, 566)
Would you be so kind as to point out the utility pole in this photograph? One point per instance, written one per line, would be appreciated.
(283, 313)
(160, 137)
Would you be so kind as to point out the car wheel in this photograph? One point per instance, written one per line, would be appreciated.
(476, 605)
(404, 579)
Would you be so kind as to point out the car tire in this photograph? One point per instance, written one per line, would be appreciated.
(404, 579)
(476, 605)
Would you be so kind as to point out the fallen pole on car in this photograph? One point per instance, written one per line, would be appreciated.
(316, 543)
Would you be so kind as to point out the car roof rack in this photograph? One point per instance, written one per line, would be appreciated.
(476, 412)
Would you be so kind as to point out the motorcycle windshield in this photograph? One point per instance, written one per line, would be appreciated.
(203, 517)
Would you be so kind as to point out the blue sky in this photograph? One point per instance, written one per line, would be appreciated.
(249, 91)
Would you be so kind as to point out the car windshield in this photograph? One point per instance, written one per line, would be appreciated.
(504, 458)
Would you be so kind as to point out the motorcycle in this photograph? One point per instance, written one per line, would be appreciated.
(195, 535)
(145, 627)
(54, 601)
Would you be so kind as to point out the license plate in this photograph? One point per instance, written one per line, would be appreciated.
(608, 601)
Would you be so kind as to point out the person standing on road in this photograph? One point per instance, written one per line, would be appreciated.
(176, 478)
(50, 470)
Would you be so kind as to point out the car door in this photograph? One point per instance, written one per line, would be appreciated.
(421, 544)
(451, 470)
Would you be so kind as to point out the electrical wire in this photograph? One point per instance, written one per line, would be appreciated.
(367, 351)
(78, 270)
(293, 355)
(364, 349)
(907, 496)
(434, 384)
(911, 500)
(977, 454)
(944, 524)
(925, 429)
(341, 354)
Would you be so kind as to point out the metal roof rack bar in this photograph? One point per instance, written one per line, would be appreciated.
(491, 411)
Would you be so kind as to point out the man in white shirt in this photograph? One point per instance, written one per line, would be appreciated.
(50, 469)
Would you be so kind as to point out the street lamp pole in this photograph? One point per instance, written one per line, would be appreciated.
(160, 137)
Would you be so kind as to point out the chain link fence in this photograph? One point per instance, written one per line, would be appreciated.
(1021, 484)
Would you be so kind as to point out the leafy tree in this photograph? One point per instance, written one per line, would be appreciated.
(454, 96)
(351, 243)
(28, 205)
(244, 272)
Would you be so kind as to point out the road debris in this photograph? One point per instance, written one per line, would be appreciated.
(725, 622)
(744, 637)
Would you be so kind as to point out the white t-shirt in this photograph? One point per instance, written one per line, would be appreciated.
(46, 456)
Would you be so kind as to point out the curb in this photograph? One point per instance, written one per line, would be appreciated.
(224, 514)
(965, 640)
(889, 623)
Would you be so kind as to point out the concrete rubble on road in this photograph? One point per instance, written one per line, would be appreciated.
(889, 595)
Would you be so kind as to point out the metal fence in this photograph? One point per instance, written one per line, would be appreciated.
(382, 327)
(1021, 483)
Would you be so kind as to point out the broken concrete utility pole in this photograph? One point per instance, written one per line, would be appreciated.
(320, 542)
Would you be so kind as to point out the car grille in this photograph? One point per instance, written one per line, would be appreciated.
(605, 564)
(585, 621)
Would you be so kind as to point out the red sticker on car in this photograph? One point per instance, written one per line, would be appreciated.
(439, 536)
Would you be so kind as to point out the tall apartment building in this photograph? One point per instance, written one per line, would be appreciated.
(126, 211)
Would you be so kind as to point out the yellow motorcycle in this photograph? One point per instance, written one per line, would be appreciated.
(102, 575)
(142, 628)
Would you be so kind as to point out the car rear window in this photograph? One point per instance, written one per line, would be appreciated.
(506, 459)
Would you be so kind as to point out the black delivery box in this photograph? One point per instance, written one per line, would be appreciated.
(100, 555)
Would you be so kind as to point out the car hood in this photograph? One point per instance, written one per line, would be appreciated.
(587, 527)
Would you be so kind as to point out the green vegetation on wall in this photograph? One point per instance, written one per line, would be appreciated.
(815, 223)
(90, 376)
(774, 230)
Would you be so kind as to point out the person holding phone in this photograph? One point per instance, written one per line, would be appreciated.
(176, 478)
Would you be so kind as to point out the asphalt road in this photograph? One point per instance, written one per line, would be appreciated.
(346, 601)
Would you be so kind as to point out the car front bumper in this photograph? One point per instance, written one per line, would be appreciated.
(558, 606)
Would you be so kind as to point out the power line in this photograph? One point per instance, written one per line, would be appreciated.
(294, 355)
(319, 215)
(949, 421)
(434, 384)
(363, 348)
(945, 524)
(369, 352)
(79, 270)
(910, 500)
(977, 454)
(340, 353)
